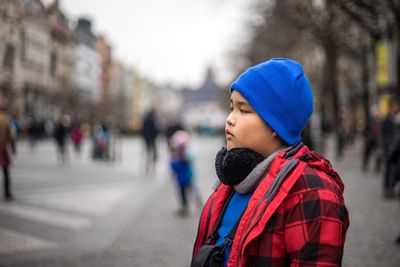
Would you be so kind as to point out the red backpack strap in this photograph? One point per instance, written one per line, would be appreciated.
(210, 214)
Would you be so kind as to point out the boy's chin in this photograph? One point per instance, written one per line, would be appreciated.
(230, 145)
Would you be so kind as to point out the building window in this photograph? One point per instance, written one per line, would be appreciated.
(8, 60)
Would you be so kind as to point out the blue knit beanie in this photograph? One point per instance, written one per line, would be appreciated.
(280, 93)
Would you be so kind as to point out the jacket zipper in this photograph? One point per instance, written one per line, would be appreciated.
(248, 229)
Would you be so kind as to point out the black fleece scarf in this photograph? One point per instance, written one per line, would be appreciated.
(233, 166)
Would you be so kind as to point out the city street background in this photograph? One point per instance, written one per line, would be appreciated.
(112, 73)
(97, 213)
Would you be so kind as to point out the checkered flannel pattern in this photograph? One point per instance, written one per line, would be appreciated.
(308, 229)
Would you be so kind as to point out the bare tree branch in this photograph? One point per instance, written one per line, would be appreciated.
(365, 21)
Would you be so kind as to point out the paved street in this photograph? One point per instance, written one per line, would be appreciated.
(88, 213)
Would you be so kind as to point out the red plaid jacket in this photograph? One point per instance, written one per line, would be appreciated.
(304, 225)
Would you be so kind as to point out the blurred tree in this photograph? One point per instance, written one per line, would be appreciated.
(343, 31)
(394, 6)
(369, 15)
(271, 34)
(296, 28)
(365, 14)
(325, 23)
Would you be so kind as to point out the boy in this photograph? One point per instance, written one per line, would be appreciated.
(277, 203)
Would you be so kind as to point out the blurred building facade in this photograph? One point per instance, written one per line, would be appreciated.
(87, 67)
(51, 65)
(120, 94)
(205, 108)
(10, 21)
(103, 48)
(169, 105)
(25, 65)
(46, 68)
(62, 64)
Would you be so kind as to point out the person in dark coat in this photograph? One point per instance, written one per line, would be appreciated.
(149, 134)
(394, 154)
(5, 159)
(61, 133)
(387, 136)
(371, 139)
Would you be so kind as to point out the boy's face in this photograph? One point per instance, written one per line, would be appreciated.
(245, 128)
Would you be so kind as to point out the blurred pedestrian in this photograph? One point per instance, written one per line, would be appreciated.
(15, 125)
(61, 133)
(149, 133)
(77, 136)
(341, 133)
(172, 127)
(34, 132)
(394, 148)
(99, 142)
(387, 137)
(371, 139)
(114, 149)
(393, 155)
(49, 128)
(107, 140)
(6, 139)
(182, 165)
(15, 132)
(277, 203)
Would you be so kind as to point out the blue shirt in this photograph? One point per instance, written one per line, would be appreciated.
(233, 211)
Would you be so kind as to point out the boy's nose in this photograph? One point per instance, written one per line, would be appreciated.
(230, 121)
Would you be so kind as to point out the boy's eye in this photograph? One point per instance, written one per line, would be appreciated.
(243, 111)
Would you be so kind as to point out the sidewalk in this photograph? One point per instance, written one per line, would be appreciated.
(374, 220)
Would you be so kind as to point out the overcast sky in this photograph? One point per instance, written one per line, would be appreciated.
(168, 40)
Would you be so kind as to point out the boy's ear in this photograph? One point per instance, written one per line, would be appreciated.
(276, 136)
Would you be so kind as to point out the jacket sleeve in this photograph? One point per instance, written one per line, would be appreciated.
(316, 221)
